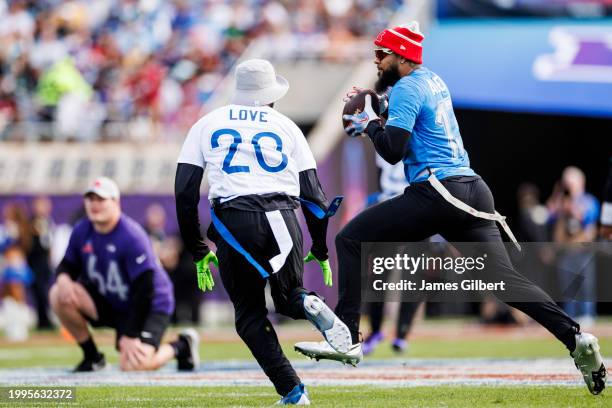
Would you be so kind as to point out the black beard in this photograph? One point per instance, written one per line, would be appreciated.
(387, 78)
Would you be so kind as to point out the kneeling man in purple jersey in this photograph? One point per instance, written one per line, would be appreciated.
(110, 277)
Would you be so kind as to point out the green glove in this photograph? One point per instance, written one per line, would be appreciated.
(205, 279)
(325, 268)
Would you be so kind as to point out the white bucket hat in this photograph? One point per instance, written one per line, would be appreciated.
(257, 84)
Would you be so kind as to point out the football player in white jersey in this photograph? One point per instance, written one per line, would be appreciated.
(259, 167)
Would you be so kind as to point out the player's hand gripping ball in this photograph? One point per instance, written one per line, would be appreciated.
(361, 109)
(383, 99)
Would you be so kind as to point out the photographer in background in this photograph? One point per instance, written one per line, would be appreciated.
(574, 215)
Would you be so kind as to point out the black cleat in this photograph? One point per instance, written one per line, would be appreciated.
(599, 379)
(88, 365)
(190, 361)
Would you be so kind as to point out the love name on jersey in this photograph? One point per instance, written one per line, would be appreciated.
(247, 114)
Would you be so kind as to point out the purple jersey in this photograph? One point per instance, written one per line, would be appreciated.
(110, 262)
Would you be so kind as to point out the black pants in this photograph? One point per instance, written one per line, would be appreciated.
(245, 286)
(421, 212)
(40, 290)
(155, 323)
(404, 318)
(406, 313)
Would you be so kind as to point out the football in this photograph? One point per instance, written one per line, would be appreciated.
(356, 105)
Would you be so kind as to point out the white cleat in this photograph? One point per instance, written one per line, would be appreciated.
(588, 360)
(321, 350)
(323, 318)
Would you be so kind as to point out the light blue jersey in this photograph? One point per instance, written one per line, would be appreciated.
(421, 104)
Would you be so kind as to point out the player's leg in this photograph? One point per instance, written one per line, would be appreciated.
(376, 316)
(375, 313)
(540, 307)
(162, 355)
(410, 217)
(152, 358)
(468, 228)
(287, 285)
(155, 355)
(579, 265)
(290, 298)
(75, 317)
(405, 317)
(72, 315)
(245, 287)
(40, 290)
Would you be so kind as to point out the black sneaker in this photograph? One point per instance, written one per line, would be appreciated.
(91, 365)
(190, 361)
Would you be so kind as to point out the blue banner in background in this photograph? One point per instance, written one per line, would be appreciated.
(552, 66)
(516, 8)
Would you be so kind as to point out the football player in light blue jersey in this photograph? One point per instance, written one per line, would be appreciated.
(420, 103)
(445, 197)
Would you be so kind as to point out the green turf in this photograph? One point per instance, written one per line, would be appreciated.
(443, 396)
(66, 354)
(490, 348)
(13, 356)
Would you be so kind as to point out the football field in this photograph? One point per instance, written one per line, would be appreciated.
(449, 363)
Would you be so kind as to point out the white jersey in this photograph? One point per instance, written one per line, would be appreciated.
(392, 178)
(248, 150)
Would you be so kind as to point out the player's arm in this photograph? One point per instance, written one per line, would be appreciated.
(390, 142)
(310, 190)
(70, 264)
(139, 263)
(189, 174)
(68, 268)
(187, 194)
(142, 292)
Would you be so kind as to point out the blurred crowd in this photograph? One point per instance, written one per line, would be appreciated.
(32, 244)
(142, 69)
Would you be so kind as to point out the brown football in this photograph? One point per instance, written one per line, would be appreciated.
(356, 105)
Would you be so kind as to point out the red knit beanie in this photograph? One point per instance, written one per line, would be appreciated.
(403, 40)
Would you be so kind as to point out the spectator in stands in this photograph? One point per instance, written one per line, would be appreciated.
(151, 63)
